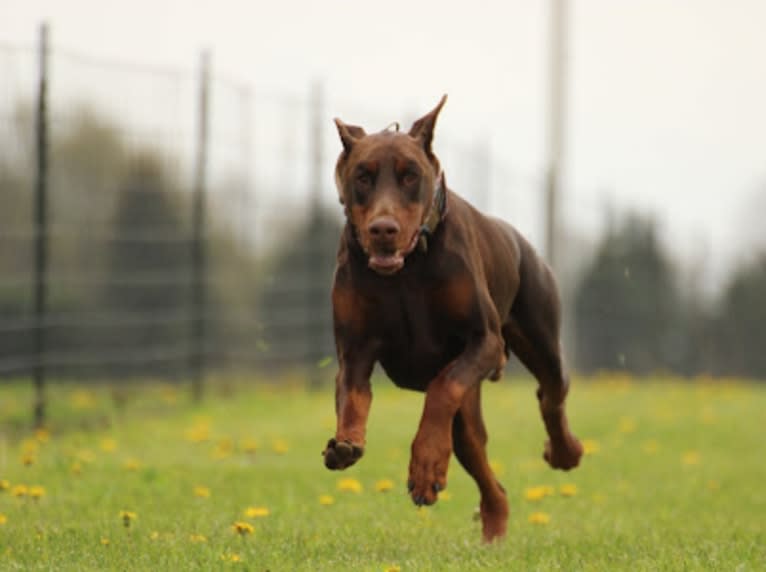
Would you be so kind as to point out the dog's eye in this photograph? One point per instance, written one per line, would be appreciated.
(410, 178)
(364, 180)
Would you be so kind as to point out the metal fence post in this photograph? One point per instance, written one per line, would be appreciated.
(41, 228)
(199, 258)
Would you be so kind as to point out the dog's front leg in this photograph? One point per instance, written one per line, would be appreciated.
(432, 446)
(353, 397)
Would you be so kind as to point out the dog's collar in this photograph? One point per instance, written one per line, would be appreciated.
(436, 213)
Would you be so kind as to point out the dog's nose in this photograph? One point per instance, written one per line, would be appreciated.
(383, 228)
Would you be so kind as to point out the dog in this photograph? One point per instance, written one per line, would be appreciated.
(438, 294)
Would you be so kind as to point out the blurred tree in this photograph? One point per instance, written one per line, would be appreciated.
(627, 307)
(148, 265)
(740, 327)
(294, 303)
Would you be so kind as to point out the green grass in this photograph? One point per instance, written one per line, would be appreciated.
(678, 483)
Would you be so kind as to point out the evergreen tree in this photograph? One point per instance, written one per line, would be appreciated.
(742, 323)
(148, 267)
(627, 307)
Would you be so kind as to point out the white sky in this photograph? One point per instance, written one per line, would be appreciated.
(667, 107)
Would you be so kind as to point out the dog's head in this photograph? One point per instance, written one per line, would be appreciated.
(387, 182)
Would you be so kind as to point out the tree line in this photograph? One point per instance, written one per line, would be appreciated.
(120, 276)
(631, 313)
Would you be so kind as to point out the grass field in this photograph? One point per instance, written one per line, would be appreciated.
(675, 479)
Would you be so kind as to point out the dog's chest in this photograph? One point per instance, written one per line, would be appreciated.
(419, 338)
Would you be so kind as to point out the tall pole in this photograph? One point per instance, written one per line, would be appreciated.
(556, 125)
(199, 254)
(41, 228)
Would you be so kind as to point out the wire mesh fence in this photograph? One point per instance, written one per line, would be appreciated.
(173, 222)
(137, 281)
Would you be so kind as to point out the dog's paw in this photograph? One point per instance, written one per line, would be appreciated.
(563, 455)
(428, 476)
(339, 455)
(494, 519)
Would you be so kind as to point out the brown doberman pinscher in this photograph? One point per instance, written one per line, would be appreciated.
(439, 295)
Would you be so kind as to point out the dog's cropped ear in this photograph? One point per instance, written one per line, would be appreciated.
(349, 134)
(423, 128)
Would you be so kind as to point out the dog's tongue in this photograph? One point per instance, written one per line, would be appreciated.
(387, 263)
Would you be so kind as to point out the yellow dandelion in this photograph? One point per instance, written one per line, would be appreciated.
(3, 519)
(497, 467)
(445, 495)
(248, 445)
(20, 491)
(537, 493)
(539, 518)
(30, 446)
(198, 538)
(28, 459)
(127, 517)
(231, 557)
(393, 568)
(131, 464)
(280, 446)
(198, 433)
(4, 485)
(201, 492)
(350, 485)
(105, 542)
(650, 447)
(76, 468)
(42, 435)
(256, 511)
(86, 456)
(326, 500)
(82, 400)
(690, 458)
(36, 492)
(627, 425)
(223, 449)
(154, 535)
(242, 528)
(568, 490)
(590, 446)
(108, 445)
(384, 485)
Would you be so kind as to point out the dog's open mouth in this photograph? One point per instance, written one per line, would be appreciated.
(386, 263)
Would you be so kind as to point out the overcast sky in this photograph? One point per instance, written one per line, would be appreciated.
(666, 108)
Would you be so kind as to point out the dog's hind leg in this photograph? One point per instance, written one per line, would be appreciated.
(469, 437)
(533, 334)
